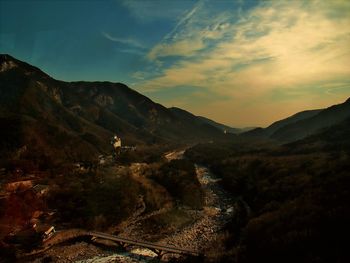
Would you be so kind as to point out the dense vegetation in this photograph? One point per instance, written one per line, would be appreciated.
(105, 197)
(292, 203)
(179, 178)
(94, 202)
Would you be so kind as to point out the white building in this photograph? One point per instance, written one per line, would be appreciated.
(116, 142)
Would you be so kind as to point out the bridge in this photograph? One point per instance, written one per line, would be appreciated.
(160, 250)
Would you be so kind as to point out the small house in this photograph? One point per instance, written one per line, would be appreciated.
(41, 189)
(46, 231)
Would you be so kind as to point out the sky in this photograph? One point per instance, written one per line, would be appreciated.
(239, 62)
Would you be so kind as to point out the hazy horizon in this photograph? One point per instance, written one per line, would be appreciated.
(240, 63)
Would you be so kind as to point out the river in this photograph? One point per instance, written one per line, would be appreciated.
(218, 208)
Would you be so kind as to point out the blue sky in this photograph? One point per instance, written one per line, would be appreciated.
(239, 62)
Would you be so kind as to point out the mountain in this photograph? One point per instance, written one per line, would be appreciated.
(34, 122)
(247, 129)
(292, 119)
(219, 125)
(333, 138)
(323, 119)
(303, 124)
(76, 120)
(200, 121)
(267, 132)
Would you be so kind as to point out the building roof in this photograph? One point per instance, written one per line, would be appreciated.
(40, 188)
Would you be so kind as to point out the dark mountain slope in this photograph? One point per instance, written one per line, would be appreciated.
(73, 120)
(268, 131)
(334, 138)
(303, 124)
(219, 125)
(29, 106)
(197, 122)
(302, 128)
(292, 119)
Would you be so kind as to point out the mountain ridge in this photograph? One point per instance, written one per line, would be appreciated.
(303, 124)
(49, 113)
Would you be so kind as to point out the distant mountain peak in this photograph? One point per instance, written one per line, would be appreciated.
(303, 124)
(6, 57)
(7, 62)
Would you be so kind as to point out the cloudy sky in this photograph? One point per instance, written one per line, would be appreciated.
(242, 63)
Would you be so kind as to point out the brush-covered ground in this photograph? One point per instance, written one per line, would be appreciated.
(235, 201)
(293, 200)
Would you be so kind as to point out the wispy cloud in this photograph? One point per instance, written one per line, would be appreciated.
(126, 41)
(247, 56)
(151, 10)
(190, 33)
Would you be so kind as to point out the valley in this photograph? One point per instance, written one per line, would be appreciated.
(85, 162)
(200, 229)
